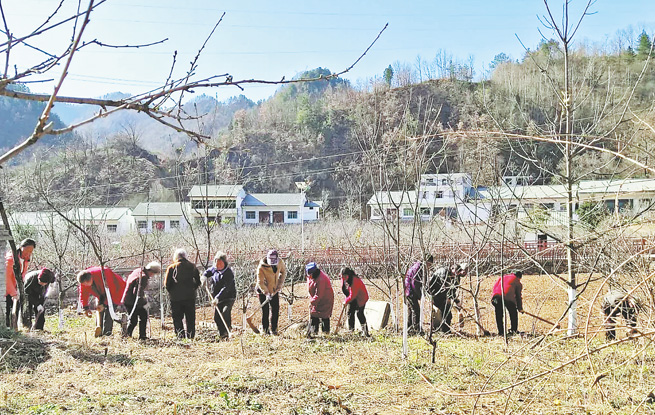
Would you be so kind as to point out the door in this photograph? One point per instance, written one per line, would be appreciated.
(264, 217)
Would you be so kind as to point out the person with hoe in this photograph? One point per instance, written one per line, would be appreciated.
(25, 250)
(414, 278)
(36, 287)
(618, 303)
(356, 297)
(443, 287)
(321, 298)
(223, 292)
(135, 300)
(508, 290)
(181, 281)
(92, 282)
(271, 273)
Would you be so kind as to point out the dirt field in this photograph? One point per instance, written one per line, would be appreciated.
(69, 371)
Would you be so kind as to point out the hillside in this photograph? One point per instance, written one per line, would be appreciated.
(347, 141)
(18, 119)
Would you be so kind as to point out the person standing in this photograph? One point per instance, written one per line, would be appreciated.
(223, 292)
(321, 298)
(36, 287)
(508, 289)
(444, 285)
(91, 283)
(181, 281)
(414, 279)
(356, 298)
(13, 302)
(618, 303)
(135, 300)
(271, 273)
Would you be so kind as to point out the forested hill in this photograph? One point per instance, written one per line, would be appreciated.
(18, 119)
(348, 141)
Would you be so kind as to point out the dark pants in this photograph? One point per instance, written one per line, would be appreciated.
(106, 322)
(612, 312)
(414, 314)
(355, 309)
(325, 324)
(274, 307)
(10, 305)
(225, 308)
(184, 310)
(139, 314)
(497, 302)
(40, 318)
(446, 308)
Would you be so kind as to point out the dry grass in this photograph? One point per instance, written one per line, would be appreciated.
(71, 372)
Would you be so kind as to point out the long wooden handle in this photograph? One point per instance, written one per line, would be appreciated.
(541, 319)
(472, 318)
(336, 330)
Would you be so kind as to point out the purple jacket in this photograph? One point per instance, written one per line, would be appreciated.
(414, 280)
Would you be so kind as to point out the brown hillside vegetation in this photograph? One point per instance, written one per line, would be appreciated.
(69, 371)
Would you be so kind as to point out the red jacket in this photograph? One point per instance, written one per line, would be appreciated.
(115, 283)
(10, 281)
(511, 290)
(357, 292)
(321, 296)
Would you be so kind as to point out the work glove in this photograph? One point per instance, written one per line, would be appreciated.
(203, 279)
(269, 297)
(39, 309)
(146, 306)
(214, 302)
(100, 308)
(14, 298)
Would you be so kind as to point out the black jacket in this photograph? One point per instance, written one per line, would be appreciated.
(35, 292)
(222, 283)
(182, 279)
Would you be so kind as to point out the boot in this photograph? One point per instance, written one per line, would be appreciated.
(365, 332)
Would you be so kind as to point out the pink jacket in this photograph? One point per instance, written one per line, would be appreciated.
(321, 296)
(10, 281)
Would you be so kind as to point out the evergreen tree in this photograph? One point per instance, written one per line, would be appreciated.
(388, 75)
(644, 45)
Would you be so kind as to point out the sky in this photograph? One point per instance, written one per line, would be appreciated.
(269, 40)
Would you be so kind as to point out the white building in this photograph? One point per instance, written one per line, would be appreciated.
(287, 208)
(112, 220)
(532, 201)
(445, 196)
(219, 203)
(166, 217)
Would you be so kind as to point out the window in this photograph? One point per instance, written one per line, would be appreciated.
(214, 204)
(175, 224)
(440, 195)
(408, 212)
(425, 211)
(142, 224)
(158, 225)
(292, 214)
(443, 182)
(250, 214)
(112, 228)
